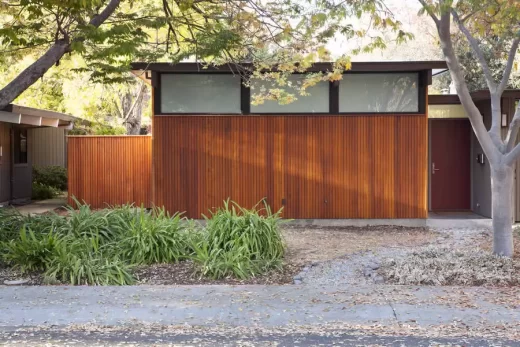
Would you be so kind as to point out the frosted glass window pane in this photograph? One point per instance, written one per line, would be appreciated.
(379, 92)
(200, 93)
(316, 102)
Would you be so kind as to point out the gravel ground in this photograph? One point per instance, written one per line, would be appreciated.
(358, 268)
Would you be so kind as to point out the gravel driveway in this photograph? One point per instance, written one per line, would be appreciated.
(359, 267)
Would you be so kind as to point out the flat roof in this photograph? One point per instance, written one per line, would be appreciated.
(478, 95)
(369, 66)
(34, 116)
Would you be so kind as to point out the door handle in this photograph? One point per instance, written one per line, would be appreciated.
(434, 169)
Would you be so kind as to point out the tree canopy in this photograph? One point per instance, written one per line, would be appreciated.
(109, 34)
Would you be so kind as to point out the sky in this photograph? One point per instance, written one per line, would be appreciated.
(423, 47)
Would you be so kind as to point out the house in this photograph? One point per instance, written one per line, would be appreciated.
(22, 144)
(466, 185)
(355, 148)
(48, 146)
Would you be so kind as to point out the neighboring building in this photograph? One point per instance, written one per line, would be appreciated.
(48, 146)
(24, 142)
(466, 184)
(356, 148)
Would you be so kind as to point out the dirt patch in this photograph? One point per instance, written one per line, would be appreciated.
(8, 274)
(316, 244)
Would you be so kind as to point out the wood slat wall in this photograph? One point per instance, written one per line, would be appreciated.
(371, 166)
(110, 170)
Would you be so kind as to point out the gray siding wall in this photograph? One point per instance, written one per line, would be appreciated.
(481, 179)
(5, 162)
(48, 147)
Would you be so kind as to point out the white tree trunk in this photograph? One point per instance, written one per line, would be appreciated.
(502, 178)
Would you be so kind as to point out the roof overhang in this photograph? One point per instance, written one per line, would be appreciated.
(35, 117)
(373, 66)
(478, 95)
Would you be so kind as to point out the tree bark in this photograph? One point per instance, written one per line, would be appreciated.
(502, 178)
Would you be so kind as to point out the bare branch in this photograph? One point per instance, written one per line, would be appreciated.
(509, 66)
(430, 12)
(476, 48)
(512, 134)
(488, 145)
(512, 156)
(137, 99)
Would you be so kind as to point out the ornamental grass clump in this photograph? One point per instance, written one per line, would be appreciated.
(91, 246)
(441, 266)
(239, 242)
(153, 238)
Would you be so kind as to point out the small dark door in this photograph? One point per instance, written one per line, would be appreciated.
(5, 163)
(450, 146)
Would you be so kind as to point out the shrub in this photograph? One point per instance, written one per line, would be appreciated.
(43, 192)
(240, 242)
(109, 224)
(445, 266)
(81, 261)
(11, 221)
(32, 251)
(154, 238)
(51, 176)
(103, 246)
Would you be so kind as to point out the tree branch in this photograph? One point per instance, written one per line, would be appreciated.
(37, 69)
(428, 10)
(484, 138)
(512, 156)
(476, 48)
(512, 133)
(137, 99)
(509, 67)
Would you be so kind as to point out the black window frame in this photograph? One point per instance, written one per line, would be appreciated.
(245, 96)
(422, 80)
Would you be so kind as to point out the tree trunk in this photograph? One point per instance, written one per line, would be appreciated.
(502, 179)
(53, 55)
(30, 75)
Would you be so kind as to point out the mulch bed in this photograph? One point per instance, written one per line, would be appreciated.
(182, 273)
(185, 272)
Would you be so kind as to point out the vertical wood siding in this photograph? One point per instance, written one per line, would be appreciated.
(372, 166)
(110, 170)
(48, 147)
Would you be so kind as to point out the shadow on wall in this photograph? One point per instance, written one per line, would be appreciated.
(316, 167)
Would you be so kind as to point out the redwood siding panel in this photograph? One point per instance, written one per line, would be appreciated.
(319, 166)
(111, 170)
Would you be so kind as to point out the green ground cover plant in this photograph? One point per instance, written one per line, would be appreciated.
(240, 242)
(43, 192)
(102, 247)
(51, 176)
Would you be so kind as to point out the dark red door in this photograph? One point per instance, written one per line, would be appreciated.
(450, 164)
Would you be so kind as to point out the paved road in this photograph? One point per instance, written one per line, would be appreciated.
(253, 305)
(124, 338)
(258, 316)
